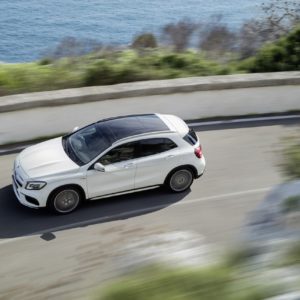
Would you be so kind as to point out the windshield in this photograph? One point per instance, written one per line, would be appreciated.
(84, 145)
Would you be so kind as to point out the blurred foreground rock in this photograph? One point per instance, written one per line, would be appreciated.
(270, 220)
(177, 248)
(275, 232)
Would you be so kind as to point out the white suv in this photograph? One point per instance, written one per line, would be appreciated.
(110, 157)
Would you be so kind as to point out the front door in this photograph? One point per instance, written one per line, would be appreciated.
(119, 172)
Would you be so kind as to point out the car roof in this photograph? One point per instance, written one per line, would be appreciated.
(123, 127)
(175, 124)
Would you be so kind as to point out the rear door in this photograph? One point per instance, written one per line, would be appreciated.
(156, 157)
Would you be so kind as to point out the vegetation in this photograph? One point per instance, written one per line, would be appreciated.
(291, 204)
(282, 55)
(292, 255)
(179, 34)
(111, 67)
(291, 160)
(130, 66)
(264, 45)
(213, 283)
(240, 255)
(33, 77)
(145, 40)
(104, 68)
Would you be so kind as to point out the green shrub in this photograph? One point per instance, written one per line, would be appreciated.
(283, 55)
(174, 61)
(240, 255)
(129, 66)
(291, 161)
(291, 204)
(45, 61)
(158, 283)
(32, 77)
(292, 255)
(104, 72)
(100, 73)
(145, 40)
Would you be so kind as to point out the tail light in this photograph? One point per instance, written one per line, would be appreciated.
(198, 151)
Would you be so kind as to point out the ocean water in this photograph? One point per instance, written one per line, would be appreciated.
(28, 28)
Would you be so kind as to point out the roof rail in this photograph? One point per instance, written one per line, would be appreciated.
(124, 116)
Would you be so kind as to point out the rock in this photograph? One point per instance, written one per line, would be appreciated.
(179, 248)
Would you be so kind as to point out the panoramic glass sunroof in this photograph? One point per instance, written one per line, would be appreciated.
(123, 127)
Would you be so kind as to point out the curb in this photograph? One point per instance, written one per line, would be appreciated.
(145, 88)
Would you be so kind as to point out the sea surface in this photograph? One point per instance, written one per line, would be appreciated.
(28, 28)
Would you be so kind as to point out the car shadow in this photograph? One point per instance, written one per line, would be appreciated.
(17, 220)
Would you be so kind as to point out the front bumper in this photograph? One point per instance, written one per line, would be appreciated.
(20, 194)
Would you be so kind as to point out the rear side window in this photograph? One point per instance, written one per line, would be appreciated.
(154, 146)
(191, 137)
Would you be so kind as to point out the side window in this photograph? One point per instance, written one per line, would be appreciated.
(120, 153)
(154, 146)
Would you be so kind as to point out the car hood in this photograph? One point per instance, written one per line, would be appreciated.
(45, 159)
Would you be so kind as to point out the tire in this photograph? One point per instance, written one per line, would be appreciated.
(64, 200)
(180, 180)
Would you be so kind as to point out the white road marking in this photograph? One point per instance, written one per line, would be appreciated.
(243, 120)
(139, 211)
(7, 241)
(219, 197)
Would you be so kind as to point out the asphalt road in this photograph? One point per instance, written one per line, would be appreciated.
(62, 257)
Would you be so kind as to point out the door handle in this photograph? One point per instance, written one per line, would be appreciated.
(127, 166)
(170, 156)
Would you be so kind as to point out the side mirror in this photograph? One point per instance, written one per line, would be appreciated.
(75, 128)
(99, 167)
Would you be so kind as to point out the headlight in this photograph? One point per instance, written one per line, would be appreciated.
(35, 185)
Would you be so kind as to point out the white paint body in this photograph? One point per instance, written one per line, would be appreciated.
(48, 162)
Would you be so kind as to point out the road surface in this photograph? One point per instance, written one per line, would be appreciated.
(64, 257)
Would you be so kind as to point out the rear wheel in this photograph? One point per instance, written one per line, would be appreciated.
(65, 200)
(180, 180)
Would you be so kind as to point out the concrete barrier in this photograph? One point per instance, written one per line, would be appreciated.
(22, 125)
(146, 88)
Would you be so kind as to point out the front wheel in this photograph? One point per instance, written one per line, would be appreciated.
(64, 200)
(180, 180)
